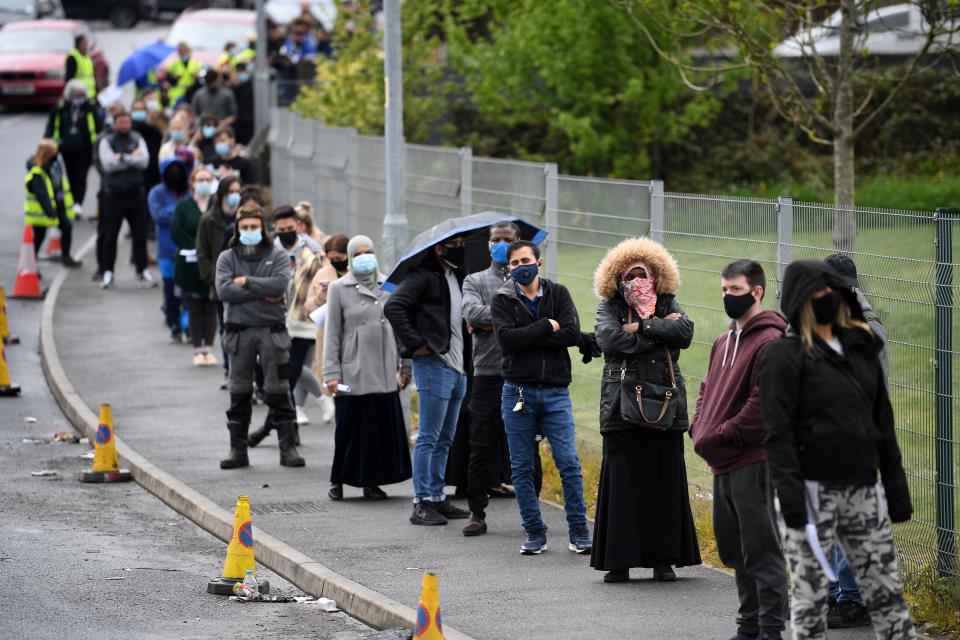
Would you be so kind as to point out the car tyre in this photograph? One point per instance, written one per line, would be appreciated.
(123, 16)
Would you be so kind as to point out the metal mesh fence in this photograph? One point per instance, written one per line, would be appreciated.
(905, 261)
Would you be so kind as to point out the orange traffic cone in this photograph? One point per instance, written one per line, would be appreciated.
(4, 325)
(28, 280)
(7, 388)
(54, 245)
(105, 466)
(239, 553)
(429, 624)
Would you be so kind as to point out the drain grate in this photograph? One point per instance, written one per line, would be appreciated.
(286, 508)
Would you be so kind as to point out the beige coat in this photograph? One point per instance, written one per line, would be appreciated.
(316, 298)
(359, 346)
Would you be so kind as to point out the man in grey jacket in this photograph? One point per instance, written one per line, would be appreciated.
(252, 279)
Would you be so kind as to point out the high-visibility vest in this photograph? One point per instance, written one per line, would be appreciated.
(248, 55)
(32, 209)
(85, 71)
(91, 125)
(186, 75)
(226, 60)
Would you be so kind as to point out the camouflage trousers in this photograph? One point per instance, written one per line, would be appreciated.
(855, 518)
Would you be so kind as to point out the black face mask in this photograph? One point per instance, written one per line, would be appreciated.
(454, 256)
(825, 308)
(287, 238)
(339, 265)
(736, 306)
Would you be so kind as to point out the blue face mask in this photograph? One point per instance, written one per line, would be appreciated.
(365, 263)
(243, 77)
(499, 252)
(524, 274)
(208, 130)
(222, 148)
(233, 200)
(177, 136)
(251, 238)
(138, 115)
(203, 188)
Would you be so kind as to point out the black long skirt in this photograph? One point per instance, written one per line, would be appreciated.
(370, 441)
(643, 508)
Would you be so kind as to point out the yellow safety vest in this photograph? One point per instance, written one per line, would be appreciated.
(186, 75)
(248, 55)
(85, 71)
(32, 209)
(227, 60)
(91, 126)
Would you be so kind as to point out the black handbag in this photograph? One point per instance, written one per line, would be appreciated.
(647, 404)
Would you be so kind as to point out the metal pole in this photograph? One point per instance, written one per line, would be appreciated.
(261, 75)
(395, 219)
(943, 324)
(550, 210)
(784, 236)
(466, 181)
(656, 210)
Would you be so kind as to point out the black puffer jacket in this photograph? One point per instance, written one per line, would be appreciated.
(827, 417)
(419, 309)
(645, 353)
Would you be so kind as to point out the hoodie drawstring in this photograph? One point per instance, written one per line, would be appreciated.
(726, 348)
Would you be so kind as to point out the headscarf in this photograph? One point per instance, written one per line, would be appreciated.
(640, 293)
(369, 280)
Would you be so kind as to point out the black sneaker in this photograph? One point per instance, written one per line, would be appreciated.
(426, 515)
(617, 575)
(664, 573)
(450, 512)
(70, 263)
(477, 525)
(846, 615)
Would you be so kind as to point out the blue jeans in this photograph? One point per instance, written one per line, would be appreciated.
(845, 589)
(548, 411)
(441, 391)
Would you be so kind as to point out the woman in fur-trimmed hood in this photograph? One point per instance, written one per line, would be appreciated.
(643, 510)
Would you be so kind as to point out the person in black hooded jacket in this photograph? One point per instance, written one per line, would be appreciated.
(829, 429)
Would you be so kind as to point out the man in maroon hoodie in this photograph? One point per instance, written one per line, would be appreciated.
(727, 431)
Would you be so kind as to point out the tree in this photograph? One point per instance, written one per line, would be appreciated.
(832, 98)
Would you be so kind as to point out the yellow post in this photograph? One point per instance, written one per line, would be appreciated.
(4, 324)
(429, 624)
(7, 388)
(240, 549)
(105, 465)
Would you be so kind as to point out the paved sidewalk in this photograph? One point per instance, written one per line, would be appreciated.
(173, 414)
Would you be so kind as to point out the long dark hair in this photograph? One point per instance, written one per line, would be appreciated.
(223, 190)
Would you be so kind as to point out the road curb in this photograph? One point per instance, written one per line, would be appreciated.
(367, 605)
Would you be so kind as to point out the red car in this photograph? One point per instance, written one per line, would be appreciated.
(33, 60)
(207, 31)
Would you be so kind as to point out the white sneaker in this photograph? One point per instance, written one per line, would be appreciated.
(302, 416)
(77, 209)
(329, 408)
(107, 280)
(146, 280)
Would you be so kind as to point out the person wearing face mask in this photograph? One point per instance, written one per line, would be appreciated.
(79, 66)
(144, 125)
(727, 432)
(213, 226)
(288, 237)
(252, 280)
(426, 311)
(179, 136)
(49, 202)
(643, 507)
(204, 136)
(196, 293)
(360, 352)
(535, 321)
(182, 73)
(489, 459)
(161, 201)
(215, 98)
(74, 124)
(242, 86)
(829, 432)
(227, 157)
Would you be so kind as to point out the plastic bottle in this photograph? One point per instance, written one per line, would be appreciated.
(250, 582)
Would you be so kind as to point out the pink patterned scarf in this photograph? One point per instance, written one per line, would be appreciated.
(640, 293)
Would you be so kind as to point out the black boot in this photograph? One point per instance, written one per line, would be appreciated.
(296, 434)
(257, 436)
(288, 450)
(238, 446)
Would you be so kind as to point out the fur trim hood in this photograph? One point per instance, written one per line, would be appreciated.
(653, 254)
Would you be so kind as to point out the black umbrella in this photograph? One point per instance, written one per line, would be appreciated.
(473, 229)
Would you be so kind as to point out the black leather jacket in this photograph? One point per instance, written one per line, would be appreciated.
(419, 310)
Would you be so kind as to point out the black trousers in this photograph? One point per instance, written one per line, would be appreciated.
(78, 166)
(744, 524)
(203, 320)
(488, 443)
(117, 207)
(66, 235)
(281, 408)
(299, 348)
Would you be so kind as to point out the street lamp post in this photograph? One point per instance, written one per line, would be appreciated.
(394, 219)
(261, 74)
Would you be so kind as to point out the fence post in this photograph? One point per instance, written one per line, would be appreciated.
(550, 204)
(943, 323)
(784, 236)
(466, 181)
(656, 210)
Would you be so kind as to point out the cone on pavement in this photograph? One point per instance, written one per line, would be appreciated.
(239, 553)
(54, 249)
(7, 388)
(105, 466)
(429, 624)
(4, 325)
(27, 284)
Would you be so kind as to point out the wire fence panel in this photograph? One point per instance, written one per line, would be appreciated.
(368, 186)
(512, 187)
(432, 185)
